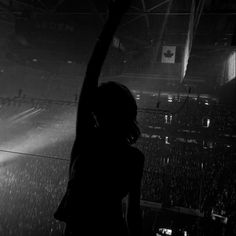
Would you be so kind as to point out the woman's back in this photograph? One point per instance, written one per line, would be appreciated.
(101, 177)
(106, 168)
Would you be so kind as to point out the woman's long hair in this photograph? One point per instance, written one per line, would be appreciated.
(116, 110)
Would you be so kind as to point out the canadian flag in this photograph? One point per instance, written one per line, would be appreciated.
(168, 54)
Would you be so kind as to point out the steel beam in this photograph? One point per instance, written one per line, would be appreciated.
(57, 5)
(146, 18)
(43, 5)
(158, 5)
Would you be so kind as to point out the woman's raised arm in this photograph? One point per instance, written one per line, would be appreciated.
(85, 119)
(94, 67)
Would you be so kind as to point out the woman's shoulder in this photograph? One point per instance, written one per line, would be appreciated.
(136, 151)
(136, 154)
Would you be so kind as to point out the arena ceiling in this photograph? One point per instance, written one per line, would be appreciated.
(145, 17)
(150, 24)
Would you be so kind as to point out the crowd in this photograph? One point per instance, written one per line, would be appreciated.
(180, 169)
(194, 169)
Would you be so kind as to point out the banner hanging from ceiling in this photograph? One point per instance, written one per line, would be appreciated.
(168, 54)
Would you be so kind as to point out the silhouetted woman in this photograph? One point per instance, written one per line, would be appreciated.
(104, 166)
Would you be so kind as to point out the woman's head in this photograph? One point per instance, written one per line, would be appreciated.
(116, 110)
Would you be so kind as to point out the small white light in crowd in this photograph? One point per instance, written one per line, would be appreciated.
(35, 60)
(166, 119)
(167, 140)
(1, 70)
(208, 122)
(170, 99)
(69, 62)
(165, 231)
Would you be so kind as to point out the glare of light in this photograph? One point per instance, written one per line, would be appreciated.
(225, 220)
(170, 99)
(166, 119)
(35, 60)
(202, 165)
(167, 140)
(231, 67)
(24, 115)
(69, 62)
(208, 122)
(35, 139)
(186, 55)
(185, 233)
(21, 114)
(166, 231)
(1, 70)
